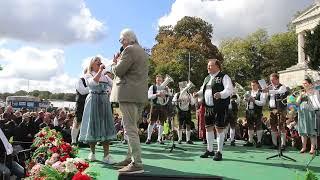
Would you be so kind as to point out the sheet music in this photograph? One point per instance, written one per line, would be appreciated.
(262, 83)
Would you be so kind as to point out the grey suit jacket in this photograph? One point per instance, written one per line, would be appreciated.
(131, 76)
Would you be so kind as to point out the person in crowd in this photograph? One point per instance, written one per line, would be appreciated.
(8, 115)
(18, 117)
(130, 91)
(40, 118)
(47, 121)
(58, 122)
(256, 99)
(97, 121)
(27, 130)
(307, 115)
(144, 124)
(8, 166)
(216, 90)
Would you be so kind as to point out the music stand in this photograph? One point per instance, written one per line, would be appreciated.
(280, 153)
(173, 145)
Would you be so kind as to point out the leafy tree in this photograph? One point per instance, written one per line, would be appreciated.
(281, 52)
(21, 93)
(69, 97)
(171, 53)
(35, 93)
(258, 55)
(312, 48)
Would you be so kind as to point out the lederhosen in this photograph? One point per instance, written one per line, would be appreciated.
(216, 114)
(254, 116)
(158, 112)
(281, 110)
(232, 112)
(184, 117)
(80, 101)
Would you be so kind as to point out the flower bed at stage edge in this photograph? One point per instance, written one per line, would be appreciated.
(55, 159)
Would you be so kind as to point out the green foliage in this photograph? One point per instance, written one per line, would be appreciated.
(50, 173)
(171, 53)
(258, 55)
(312, 48)
(42, 95)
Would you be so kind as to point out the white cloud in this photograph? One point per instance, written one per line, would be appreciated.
(234, 18)
(49, 21)
(42, 69)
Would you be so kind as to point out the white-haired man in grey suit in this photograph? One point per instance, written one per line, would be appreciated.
(130, 89)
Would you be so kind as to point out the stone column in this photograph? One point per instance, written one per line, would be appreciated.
(301, 55)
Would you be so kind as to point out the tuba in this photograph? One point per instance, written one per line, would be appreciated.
(184, 98)
(163, 88)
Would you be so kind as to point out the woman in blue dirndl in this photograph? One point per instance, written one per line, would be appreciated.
(97, 120)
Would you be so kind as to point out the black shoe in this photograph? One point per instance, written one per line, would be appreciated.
(283, 148)
(233, 143)
(204, 142)
(274, 147)
(148, 141)
(189, 142)
(161, 142)
(180, 141)
(125, 142)
(258, 145)
(207, 154)
(217, 156)
(248, 144)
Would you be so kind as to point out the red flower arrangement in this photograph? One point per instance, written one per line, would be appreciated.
(55, 158)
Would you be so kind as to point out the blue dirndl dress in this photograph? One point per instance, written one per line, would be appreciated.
(97, 120)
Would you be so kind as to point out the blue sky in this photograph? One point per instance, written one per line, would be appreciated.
(142, 17)
(44, 44)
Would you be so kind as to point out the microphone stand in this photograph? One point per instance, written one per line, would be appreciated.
(173, 145)
(280, 153)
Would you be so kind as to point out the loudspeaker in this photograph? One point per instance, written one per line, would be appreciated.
(164, 177)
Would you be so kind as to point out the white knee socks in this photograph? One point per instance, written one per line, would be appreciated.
(220, 140)
(160, 131)
(150, 130)
(232, 133)
(74, 134)
(210, 138)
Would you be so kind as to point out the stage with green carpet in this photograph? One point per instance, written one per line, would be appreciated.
(238, 162)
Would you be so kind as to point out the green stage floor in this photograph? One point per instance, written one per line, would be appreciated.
(238, 162)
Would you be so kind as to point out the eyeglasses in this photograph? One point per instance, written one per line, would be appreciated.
(121, 40)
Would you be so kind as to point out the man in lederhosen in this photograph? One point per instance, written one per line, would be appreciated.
(256, 99)
(158, 110)
(278, 110)
(216, 90)
(183, 102)
(81, 93)
(232, 116)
